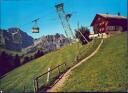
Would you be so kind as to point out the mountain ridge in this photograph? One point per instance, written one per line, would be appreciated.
(15, 39)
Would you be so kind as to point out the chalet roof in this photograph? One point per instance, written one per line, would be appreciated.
(112, 16)
(116, 18)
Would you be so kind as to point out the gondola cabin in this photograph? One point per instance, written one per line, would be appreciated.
(35, 30)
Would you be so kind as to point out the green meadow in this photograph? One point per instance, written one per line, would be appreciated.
(106, 71)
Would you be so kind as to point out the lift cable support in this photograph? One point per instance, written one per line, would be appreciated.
(65, 20)
(35, 28)
(82, 34)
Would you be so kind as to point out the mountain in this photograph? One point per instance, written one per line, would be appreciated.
(49, 43)
(14, 39)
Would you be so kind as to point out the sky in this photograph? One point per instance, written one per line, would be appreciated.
(20, 13)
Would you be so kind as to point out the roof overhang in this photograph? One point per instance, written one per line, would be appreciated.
(108, 17)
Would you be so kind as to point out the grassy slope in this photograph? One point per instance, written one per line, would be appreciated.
(22, 76)
(106, 71)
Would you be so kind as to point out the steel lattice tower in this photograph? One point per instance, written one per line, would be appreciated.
(64, 20)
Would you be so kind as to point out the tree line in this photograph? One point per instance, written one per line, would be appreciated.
(9, 62)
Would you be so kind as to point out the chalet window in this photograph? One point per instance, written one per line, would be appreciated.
(102, 29)
(99, 19)
(106, 23)
(111, 28)
(102, 22)
(119, 28)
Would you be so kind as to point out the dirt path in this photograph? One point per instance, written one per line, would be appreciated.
(60, 83)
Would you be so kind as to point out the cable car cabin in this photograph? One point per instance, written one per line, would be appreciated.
(35, 30)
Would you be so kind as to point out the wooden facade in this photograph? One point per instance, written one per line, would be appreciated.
(104, 23)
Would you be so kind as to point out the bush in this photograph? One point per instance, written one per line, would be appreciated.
(85, 32)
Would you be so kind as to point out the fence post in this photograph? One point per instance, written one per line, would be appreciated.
(24, 88)
(58, 69)
(65, 66)
(48, 75)
(34, 85)
(36, 81)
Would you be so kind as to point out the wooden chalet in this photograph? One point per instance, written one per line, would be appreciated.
(106, 23)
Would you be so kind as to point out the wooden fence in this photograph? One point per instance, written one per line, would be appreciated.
(36, 82)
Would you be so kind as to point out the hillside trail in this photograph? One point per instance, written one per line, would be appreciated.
(60, 83)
